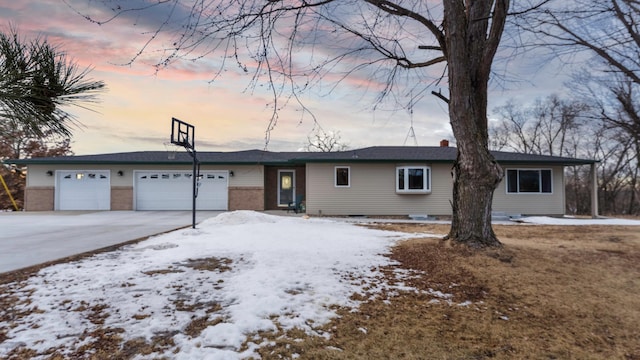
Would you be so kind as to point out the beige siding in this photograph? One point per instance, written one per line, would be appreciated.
(243, 176)
(532, 204)
(372, 191)
(37, 176)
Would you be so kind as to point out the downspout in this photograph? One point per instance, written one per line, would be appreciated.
(594, 191)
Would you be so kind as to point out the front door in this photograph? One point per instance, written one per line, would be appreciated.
(286, 187)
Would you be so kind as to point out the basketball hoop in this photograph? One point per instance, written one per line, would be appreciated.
(171, 150)
(182, 134)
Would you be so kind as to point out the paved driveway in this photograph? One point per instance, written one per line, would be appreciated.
(32, 238)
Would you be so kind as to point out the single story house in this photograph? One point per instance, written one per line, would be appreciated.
(379, 180)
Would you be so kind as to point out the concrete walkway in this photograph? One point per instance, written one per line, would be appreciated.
(32, 238)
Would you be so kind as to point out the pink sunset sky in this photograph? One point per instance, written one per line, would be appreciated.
(136, 110)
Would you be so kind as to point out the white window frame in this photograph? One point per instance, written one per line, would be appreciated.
(426, 182)
(335, 176)
(518, 192)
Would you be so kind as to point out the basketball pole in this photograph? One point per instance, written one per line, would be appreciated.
(195, 189)
(192, 151)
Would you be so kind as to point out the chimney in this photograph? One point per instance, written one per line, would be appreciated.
(444, 143)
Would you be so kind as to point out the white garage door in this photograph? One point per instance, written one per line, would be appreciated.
(173, 190)
(83, 190)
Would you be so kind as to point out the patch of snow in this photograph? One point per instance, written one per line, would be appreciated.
(546, 220)
(282, 272)
(334, 348)
(439, 294)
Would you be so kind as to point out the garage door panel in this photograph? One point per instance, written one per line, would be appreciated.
(83, 190)
(172, 190)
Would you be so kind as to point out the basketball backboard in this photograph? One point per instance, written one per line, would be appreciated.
(182, 134)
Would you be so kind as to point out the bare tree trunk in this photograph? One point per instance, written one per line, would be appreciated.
(476, 174)
(634, 180)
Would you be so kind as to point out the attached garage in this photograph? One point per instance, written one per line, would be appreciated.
(83, 190)
(173, 190)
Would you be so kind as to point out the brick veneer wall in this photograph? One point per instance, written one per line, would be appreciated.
(246, 198)
(121, 198)
(39, 198)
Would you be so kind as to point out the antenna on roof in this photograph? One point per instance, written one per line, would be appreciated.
(411, 133)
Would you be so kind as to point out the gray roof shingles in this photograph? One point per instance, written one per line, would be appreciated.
(369, 154)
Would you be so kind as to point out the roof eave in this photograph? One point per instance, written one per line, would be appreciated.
(115, 162)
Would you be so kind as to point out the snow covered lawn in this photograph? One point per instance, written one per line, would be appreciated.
(205, 292)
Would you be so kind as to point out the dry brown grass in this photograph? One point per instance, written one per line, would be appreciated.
(553, 292)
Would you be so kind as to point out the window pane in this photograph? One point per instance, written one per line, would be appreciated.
(416, 179)
(512, 181)
(400, 179)
(285, 182)
(529, 180)
(546, 181)
(342, 176)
